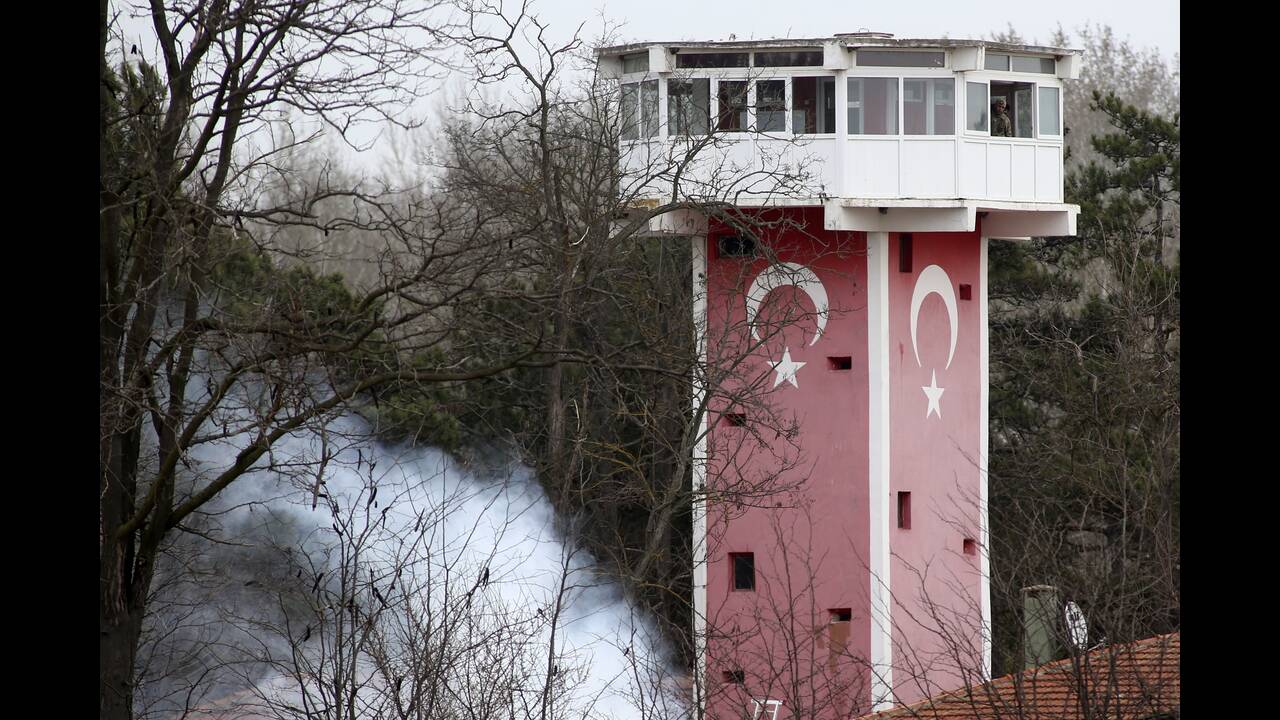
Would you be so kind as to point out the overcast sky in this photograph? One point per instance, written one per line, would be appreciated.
(1145, 23)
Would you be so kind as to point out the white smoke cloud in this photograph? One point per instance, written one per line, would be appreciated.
(474, 538)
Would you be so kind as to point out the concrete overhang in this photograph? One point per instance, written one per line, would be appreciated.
(1000, 218)
(676, 223)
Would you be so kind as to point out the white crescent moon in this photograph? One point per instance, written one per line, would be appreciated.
(934, 279)
(781, 275)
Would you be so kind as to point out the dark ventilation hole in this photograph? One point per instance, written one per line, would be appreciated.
(970, 546)
(736, 246)
(904, 253)
(966, 291)
(736, 677)
(904, 510)
(843, 362)
(744, 570)
(840, 615)
(733, 419)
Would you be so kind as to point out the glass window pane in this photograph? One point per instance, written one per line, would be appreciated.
(771, 105)
(873, 106)
(804, 104)
(637, 62)
(732, 96)
(1049, 121)
(997, 61)
(827, 105)
(630, 110)
(813, 105)
(1033, 64)
(943, 104)
(898, 58)
(804, 58)
(976, 107)
(1022, 111)
(711, 60)
(928, 107)
(688, 106)
(914, 110)
(649, 108)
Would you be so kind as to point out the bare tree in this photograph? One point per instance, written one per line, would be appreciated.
(210, 341)
(612, 427)
(200, 338)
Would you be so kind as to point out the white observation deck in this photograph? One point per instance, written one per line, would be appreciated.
(886, 134)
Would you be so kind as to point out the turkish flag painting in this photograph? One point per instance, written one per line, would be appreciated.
(935, 412)
(787, 470)
(820, 374)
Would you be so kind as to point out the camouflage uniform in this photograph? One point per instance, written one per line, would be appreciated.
(1001, 125)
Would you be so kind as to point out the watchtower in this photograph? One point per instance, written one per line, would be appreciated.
(882, 167)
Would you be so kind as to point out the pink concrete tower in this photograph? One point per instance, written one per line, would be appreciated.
(850, 186)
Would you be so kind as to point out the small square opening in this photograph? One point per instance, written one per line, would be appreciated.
(734, 677)
(966, 291)
(840, 362)
(904, 253)
(736, 246)
(904, 510)
(970, 546)
(743, 566)
(839, 615)
(733, 419)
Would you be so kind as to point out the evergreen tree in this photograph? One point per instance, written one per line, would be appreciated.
(1084, 397)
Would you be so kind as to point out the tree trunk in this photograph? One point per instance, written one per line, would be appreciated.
(117, 644)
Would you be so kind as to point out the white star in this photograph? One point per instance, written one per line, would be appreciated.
(786, 369)
(934, 393)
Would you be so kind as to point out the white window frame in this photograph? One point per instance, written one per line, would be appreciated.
(675, 63)
(1059, 137)
(791, 100)
(664, 95)
(873, 76)
(754, 75)
(946, 59)
(1008, 56)
(763, 706)
(744, 75)
(785, 132)
(967, 130)
(1013, 55)
(1014, 79)
(912, 74)
(902, 102)
(638, 79)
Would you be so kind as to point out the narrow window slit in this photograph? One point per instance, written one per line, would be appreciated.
(744, 570)
(736, 246)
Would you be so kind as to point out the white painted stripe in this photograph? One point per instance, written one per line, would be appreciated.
(984, 452)
(700, 475)
(878, 477)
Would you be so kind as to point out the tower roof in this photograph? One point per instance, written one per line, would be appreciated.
(849, 40)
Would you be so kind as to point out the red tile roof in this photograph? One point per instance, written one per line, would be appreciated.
(1119, 682)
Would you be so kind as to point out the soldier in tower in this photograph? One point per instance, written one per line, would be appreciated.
(1001, 125)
